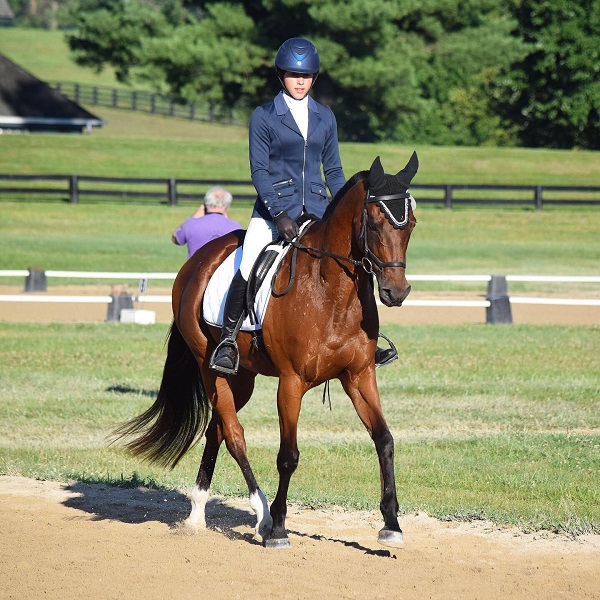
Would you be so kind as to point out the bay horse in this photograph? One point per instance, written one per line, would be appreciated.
(326, 327)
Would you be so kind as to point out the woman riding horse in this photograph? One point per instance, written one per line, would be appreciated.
(325, 327)
(289, 138)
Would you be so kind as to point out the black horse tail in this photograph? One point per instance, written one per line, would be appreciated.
(178, 418)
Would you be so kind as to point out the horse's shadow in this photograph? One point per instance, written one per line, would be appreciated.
(136, 505)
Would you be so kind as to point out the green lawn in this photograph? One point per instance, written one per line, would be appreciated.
(96, 237)
(489, 422)
(45, 53)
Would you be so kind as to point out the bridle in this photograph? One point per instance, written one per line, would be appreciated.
(369, 258)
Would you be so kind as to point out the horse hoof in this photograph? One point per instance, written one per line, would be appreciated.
(390, 538)
(277, 543)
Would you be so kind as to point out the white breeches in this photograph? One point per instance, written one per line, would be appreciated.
(258, 235)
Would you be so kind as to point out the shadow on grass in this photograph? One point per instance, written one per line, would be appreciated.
(125, 389)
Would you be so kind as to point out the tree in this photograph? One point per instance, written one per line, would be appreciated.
(553, 94)
(432, 71)
(113, 33)
(215, 60)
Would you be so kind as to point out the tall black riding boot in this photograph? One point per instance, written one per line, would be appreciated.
(226, 358)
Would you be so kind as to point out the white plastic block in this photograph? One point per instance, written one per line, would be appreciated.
(136, 315)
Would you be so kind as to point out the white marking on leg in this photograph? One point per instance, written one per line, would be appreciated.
(264, 522)
(197, 519)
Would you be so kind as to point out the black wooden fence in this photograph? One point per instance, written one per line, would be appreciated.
(73, 188)
(143, 101)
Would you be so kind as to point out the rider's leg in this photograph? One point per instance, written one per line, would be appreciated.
(225, 357)
(258, 235)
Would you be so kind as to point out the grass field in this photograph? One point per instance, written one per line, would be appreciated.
(490, 422)
(45, 53)
(106, 237)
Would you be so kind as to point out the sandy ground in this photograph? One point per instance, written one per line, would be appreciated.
(97, 542)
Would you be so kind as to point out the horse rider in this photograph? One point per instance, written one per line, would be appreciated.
(290, 138)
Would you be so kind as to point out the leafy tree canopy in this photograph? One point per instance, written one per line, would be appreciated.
(435, 71)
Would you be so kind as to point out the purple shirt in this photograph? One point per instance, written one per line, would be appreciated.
(197, 231)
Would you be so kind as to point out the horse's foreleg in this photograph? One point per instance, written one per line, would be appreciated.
(289, 398)
(365, 398)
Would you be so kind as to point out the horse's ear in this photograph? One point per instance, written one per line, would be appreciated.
(376, 175)
(410, 170)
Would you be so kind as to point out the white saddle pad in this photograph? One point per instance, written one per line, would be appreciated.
(213, 304)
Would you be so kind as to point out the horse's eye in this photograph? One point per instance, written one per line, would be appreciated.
(372, 226)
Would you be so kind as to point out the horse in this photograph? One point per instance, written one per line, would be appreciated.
(325, 327)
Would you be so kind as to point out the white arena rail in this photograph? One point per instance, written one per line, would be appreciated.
(143, 277)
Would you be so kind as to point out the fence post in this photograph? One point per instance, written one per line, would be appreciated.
(538, 197)
(36, 280)
(499, 311)
(115, 98)
(172, 191)
(95, 95)
(118, 302)
(73, 189)
(134, 99)
(448, 197)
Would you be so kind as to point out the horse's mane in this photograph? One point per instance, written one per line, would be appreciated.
(342, 192)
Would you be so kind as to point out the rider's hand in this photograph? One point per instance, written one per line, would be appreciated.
(287, 228)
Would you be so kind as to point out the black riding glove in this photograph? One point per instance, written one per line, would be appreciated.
(287, 228)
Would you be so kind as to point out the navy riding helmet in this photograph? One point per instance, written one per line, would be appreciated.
(298, 55)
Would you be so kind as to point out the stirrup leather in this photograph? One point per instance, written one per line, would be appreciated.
(228, 342)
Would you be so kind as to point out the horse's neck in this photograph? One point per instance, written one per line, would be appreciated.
(335, 235)
(339, 228)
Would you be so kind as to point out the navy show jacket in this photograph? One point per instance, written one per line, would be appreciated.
(286, 169)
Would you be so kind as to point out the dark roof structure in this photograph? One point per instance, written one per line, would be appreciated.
(6, 14)
(29, 104)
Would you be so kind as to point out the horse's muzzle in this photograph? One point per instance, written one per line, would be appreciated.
(393, 297)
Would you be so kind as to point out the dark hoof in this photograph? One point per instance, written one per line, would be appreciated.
(391, 539)
(277, 543)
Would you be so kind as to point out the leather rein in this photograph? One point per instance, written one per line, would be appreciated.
(368, 259)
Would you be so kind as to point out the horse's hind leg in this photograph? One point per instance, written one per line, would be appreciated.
(201, 490)
(239, 389)
(365, 398)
